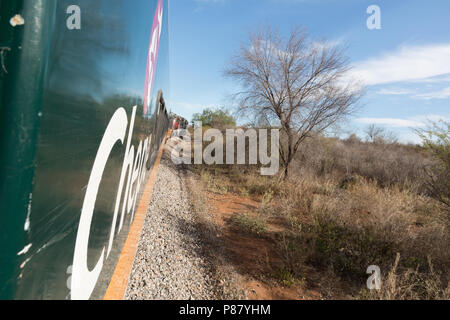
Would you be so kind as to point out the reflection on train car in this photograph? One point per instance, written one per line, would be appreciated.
(81, 112)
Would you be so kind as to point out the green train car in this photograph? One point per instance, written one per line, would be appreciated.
(82, 117)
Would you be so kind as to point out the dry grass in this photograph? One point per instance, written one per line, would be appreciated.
(349, 205)
(409, 284)
(346, 230)
(388, 164)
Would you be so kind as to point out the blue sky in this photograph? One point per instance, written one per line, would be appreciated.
(405, 65)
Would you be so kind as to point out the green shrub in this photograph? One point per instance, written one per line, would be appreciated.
(436, 139)
(246, 223)
(218, 118)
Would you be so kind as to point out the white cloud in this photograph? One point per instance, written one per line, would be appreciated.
(412, 122)
(391, 122)
(440, 94)
(438, 79)
(409, 137)
(327, 44)
(395, 92)
(430, 117)
(443, 93)
(408, 63)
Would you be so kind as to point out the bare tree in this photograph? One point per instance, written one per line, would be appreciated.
(295, 83)
(379, 135)
(374, 133)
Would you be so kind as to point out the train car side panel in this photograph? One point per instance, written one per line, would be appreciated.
(94, 144)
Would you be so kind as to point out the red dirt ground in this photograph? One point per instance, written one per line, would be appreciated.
(252, 255)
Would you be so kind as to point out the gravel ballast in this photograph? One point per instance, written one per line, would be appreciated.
(169, 264)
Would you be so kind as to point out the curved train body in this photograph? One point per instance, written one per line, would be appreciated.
(82, 116)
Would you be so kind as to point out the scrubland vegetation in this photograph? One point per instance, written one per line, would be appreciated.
(337, 206)
(346, 205)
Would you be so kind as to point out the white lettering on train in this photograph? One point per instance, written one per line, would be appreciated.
(83, 280)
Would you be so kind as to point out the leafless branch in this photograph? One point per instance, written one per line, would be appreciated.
(295, 84)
